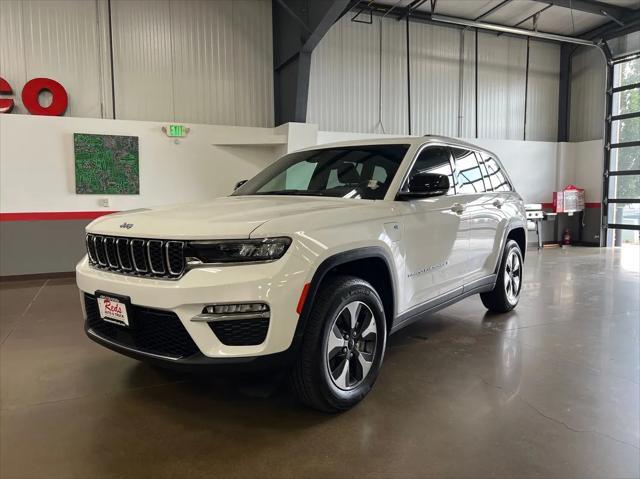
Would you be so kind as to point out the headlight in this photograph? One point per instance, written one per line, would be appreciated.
(236, 251)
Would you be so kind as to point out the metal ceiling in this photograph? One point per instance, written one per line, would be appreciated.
(585, 19)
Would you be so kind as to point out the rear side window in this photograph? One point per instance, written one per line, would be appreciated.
(485, 175)
(495, 174)
(468, 174)
(436, 160)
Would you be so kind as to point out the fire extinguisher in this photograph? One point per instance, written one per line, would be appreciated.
(566, 237)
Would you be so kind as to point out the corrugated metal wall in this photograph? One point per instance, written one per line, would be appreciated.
(343, 93)
(142, 68)
(58, 39)
(543, 91)
(345, 79)
(434, 56)
(212, 62)
(501, 85)
(196, 61)
(588, 79)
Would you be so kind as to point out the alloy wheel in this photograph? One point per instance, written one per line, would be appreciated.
(351, 346)
(513, 276)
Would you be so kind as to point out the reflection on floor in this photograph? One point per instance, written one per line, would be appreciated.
(551, 390)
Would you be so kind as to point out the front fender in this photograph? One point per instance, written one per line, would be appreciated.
(328, 259)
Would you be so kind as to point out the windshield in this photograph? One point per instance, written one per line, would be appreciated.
(362, 172)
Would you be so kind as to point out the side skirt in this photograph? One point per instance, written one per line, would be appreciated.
(482, 285)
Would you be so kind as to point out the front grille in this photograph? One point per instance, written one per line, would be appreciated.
(241, 332)
(137, 256)
(152, 331)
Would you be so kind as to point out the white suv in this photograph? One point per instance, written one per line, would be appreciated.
(310, 265)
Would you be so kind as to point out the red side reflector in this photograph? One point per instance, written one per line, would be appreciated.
(303, 298)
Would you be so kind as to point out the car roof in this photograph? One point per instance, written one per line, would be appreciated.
(404, 140)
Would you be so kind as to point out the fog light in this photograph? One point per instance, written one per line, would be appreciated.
(235, 308)
(224, 312)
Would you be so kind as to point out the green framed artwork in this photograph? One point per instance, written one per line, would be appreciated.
(106, 164)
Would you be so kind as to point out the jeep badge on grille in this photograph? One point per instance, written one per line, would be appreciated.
(126, 225)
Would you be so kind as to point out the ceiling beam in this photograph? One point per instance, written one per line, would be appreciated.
(631, 23)
(590, 6)
(425, 17)
(513, 30)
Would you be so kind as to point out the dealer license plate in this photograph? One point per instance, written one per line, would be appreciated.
(113, 310)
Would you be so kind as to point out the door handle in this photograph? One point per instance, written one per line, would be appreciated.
(498, 203)
(457, 208)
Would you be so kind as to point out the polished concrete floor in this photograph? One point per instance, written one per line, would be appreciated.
(550, 390)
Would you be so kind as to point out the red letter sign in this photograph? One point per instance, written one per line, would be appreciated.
(32, 90)
(6, 104)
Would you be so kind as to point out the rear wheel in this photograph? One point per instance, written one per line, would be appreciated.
(506, 294)
(343, 346)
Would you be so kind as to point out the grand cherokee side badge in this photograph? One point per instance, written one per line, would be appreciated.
(126, 225)
(428, 269)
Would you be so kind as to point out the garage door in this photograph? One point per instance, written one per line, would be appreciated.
(622, 173)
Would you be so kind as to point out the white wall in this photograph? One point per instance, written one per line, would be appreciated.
(197, 61)
(348, 73)
(211, 159)
(37, 169)
(583, 165)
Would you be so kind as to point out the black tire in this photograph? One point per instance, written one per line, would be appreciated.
(311, 378)
(500, 300)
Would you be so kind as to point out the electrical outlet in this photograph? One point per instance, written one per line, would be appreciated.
(104, 202)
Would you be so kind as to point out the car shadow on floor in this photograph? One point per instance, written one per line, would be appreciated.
(265, 398)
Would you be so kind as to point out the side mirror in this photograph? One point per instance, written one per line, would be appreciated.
(424, 185)
(239, 184)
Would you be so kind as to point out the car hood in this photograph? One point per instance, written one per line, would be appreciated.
(229, 217)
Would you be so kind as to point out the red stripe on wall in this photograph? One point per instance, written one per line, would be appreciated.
(91, 215)
(53, 215)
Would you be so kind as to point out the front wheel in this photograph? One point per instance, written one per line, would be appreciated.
(343, 346)
(506, 293)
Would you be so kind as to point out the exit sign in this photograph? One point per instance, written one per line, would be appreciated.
(176, 131)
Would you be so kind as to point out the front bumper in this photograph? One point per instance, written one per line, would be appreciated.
(278, 284)
(199, 362)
